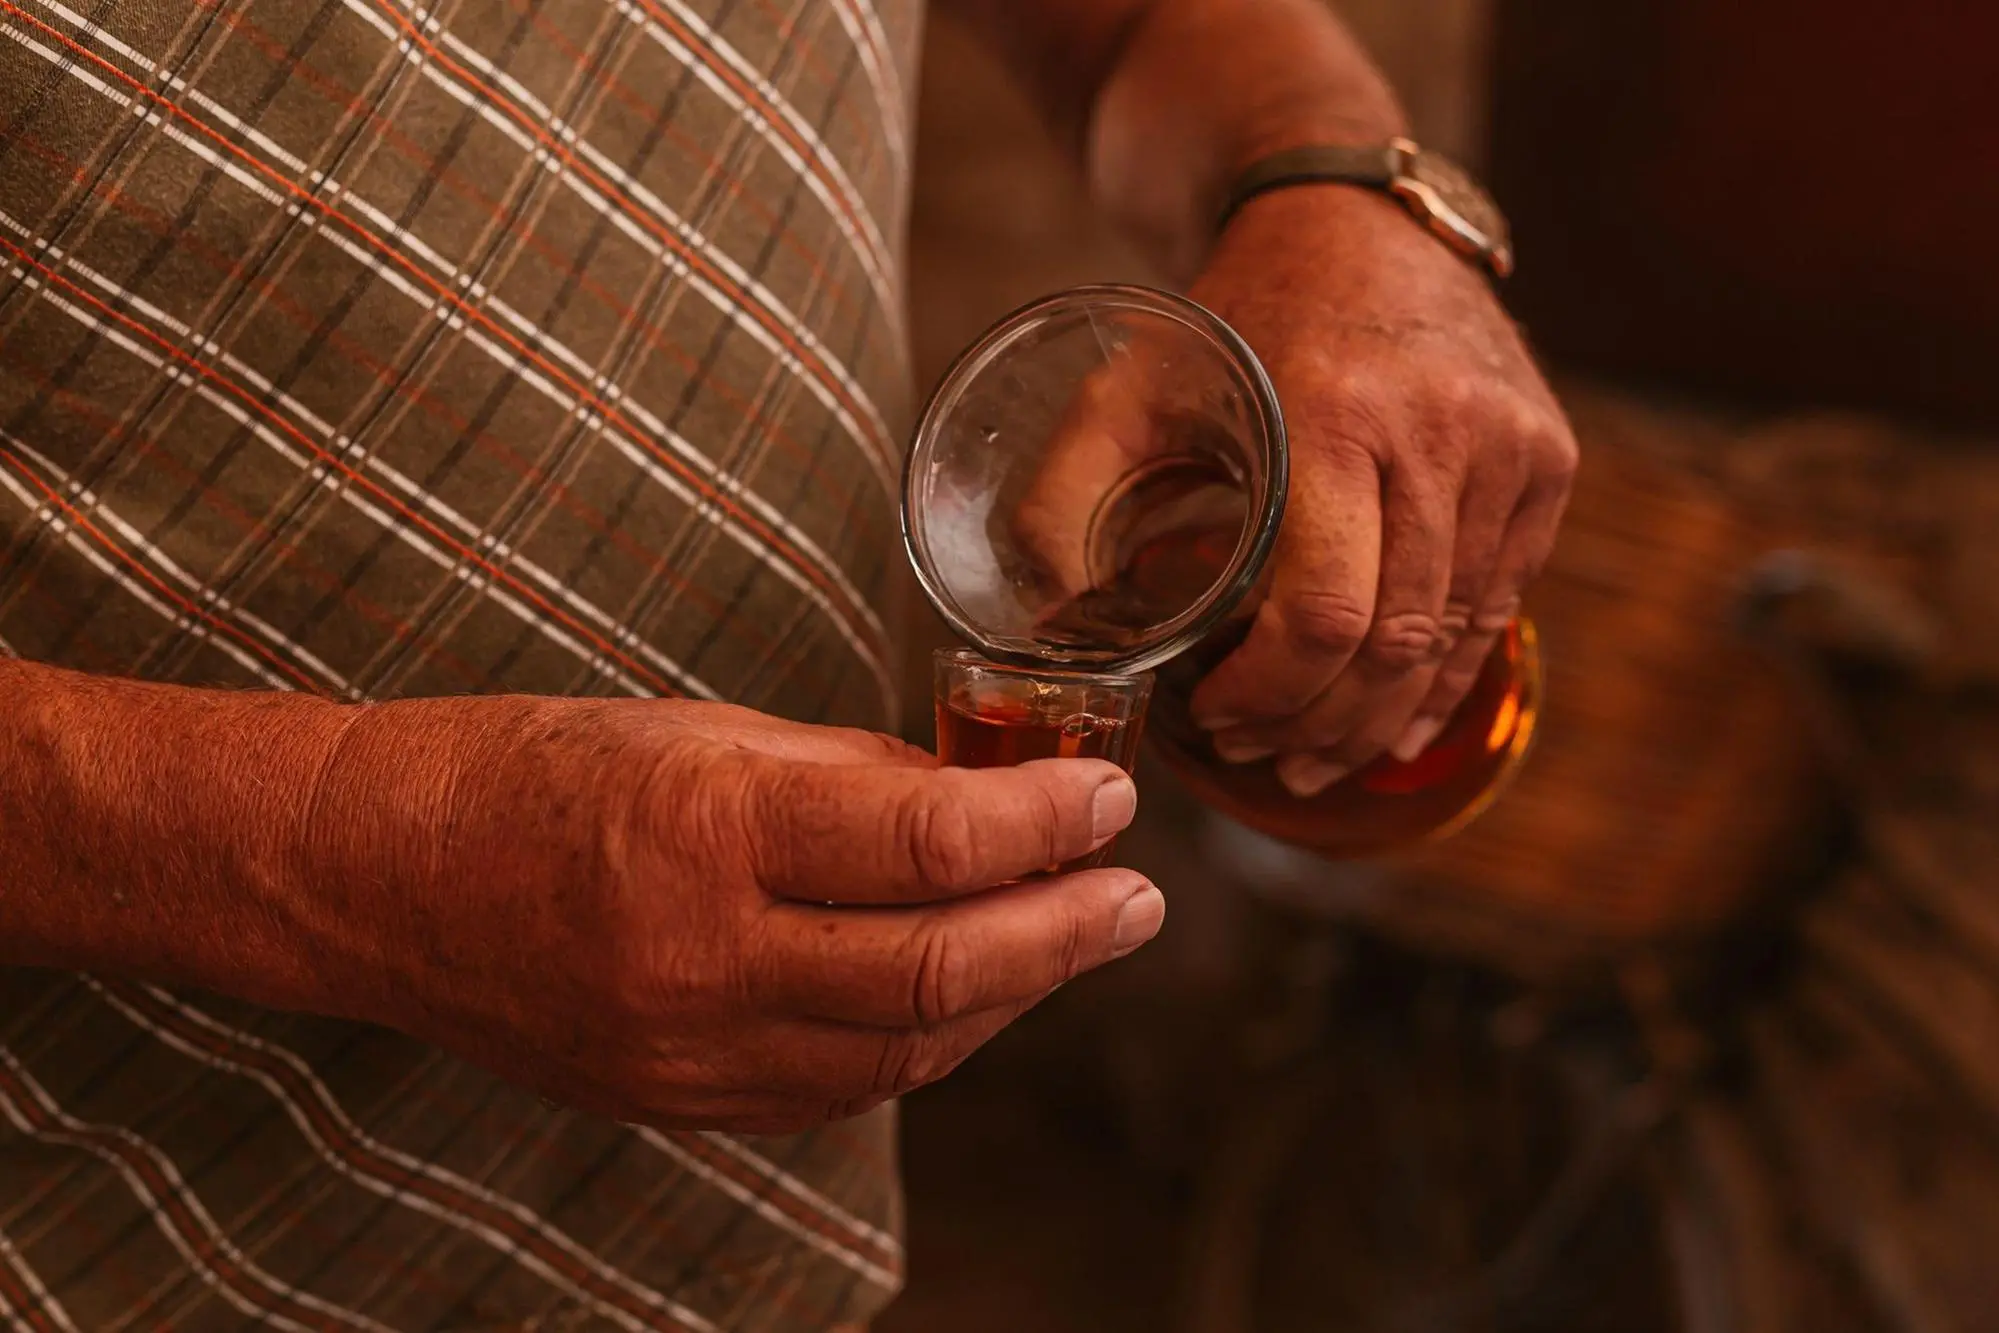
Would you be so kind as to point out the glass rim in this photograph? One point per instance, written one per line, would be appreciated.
(1253, 549)
(976, 660)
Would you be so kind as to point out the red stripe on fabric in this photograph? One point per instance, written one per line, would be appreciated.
(748, 92)
(473, 315)
(666, 236)
(371, 1163)
(169, 1205)
(365, 1160)
(56, 609)
(388, 500)
(76, 520)
(217, 502)
(17, 1297)
(458, 184)
(797, 1209)
(425, 401)
(841, 296)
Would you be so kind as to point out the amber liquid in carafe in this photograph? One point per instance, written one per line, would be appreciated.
(1383, 806)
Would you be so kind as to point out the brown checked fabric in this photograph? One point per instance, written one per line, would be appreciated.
(375, 350)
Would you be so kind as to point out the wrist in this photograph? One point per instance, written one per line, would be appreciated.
(148, 829)
(1206, 88)
(427, 817)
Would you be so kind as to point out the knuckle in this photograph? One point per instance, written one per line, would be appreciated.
(1556, 453)
(880, 745)
(1077, 947)
(1061, 822)
(1345, 407)
(846, 1109)
(1522, 417)
(941, 977)
(1530, 427)
(1561, 458)
(1455, 623)
(1407, 641)
(1497, 613)
(937, 836)
(772, 810)
(1315, 369)
(1325, 621)
(909, 1060)
(1462, 397)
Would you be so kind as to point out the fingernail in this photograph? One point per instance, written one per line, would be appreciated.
(1417, 738)
(1112, 808)
(1220, 722)
(1240, 751)
(1138, 920)
(1306, 775)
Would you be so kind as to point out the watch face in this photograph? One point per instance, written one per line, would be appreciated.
(1457, 204)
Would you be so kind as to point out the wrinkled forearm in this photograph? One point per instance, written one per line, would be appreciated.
(157, 832)
(1168, 100)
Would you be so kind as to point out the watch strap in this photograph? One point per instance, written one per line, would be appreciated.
(1375, 167)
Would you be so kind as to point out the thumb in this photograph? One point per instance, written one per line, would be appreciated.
(903, 834)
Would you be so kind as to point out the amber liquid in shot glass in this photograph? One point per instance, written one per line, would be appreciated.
(994, 716)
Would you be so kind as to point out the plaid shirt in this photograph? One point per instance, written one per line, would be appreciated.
(354, 347)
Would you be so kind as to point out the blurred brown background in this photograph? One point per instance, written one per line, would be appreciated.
(1487, 1078)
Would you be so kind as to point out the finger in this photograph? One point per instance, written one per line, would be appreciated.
(1363, 735)
(1492, 496)
(848, 1066)
(1529, 539)
(1322, 593)
(1372, 701)
(898, 833)
(917, 967)
(809, 1073)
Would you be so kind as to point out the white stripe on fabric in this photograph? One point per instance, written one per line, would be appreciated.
(874, 261)
(247, 1287)
(334, 192)
(763, 1208)
(320, 474)
(878, 456)
(45, 1300)
(712, 42)
(180, 621)
(211, 603)
(877, 57)
(791, 1185)
(323, 1098)
(872, 442)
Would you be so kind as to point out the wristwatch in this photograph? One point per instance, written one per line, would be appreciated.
(1441, 194)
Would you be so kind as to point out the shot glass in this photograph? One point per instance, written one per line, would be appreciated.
(991, 715)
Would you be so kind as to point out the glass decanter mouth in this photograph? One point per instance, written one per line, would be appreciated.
(1001, 403)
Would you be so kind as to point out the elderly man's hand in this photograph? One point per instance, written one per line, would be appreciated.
(1430, 468)
(689, 914)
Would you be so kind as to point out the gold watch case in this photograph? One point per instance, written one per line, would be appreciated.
(1451, 203)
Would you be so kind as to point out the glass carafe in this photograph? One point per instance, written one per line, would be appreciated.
(1096, 488)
